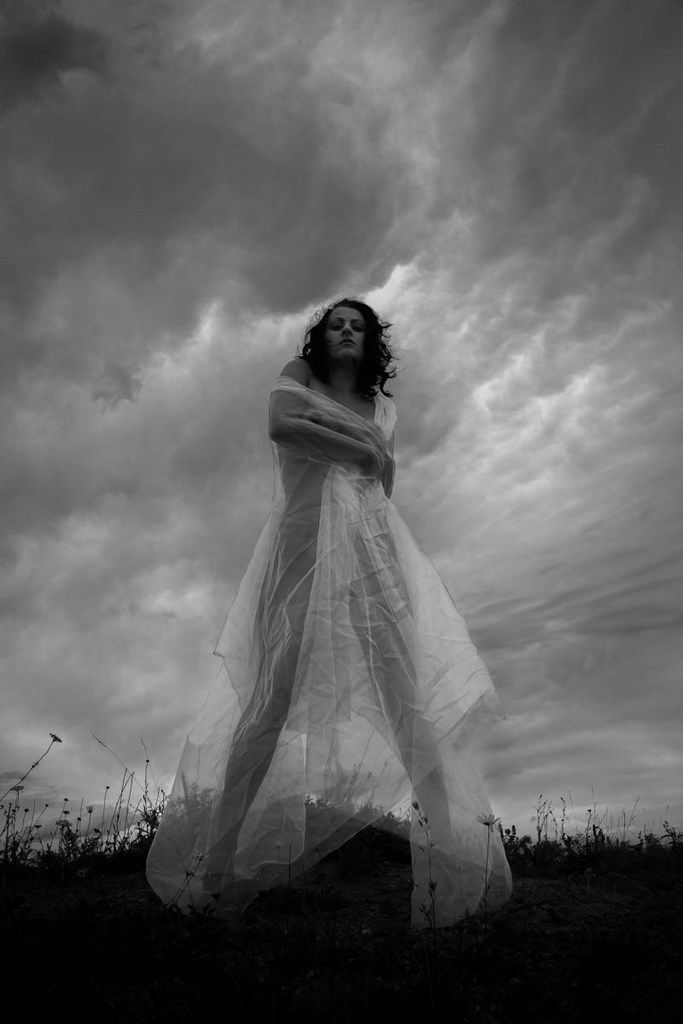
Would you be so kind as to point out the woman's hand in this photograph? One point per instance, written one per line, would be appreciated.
(388, 475)
(379, 464)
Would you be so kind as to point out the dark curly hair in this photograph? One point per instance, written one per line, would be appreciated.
(374, 370)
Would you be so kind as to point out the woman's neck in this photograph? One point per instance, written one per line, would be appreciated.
(343, 377)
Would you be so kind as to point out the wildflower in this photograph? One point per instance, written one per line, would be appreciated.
(54, 738)
(17, 789)
(487, 820)
(90, 808)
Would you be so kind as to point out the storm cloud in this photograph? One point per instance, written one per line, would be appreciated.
(182, 186)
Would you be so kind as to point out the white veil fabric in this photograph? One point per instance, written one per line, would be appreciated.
(349, 683)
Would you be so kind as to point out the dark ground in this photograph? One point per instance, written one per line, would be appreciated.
(337, 947)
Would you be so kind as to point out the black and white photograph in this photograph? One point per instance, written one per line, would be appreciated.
(341, 518)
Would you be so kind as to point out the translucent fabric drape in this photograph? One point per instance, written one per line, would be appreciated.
(349, 680)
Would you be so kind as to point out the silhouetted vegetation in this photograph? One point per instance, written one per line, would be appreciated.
(593, 927)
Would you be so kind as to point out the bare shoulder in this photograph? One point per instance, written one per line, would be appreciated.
(298, 369)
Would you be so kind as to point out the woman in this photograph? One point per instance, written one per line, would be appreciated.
(350, 681)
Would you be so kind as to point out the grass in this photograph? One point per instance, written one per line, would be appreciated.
(594, 927)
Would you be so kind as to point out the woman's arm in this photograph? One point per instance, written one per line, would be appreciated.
(319, 442)
(293, 429)
(298, 369)
(292, 426)
(389, 473)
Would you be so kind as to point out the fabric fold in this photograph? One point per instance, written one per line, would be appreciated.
(349, 686)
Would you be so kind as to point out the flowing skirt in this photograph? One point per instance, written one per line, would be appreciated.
(350, 684)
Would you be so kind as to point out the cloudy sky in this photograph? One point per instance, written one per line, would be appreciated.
(182, 185)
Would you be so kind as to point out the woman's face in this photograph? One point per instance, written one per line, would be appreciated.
(345, 334)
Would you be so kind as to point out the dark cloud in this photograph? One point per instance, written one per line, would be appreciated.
(172, 177)
(38, 45)
(183, 183)
(560, 137)
(116, 385)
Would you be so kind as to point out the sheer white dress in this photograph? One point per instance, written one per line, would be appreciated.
(349, 685)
